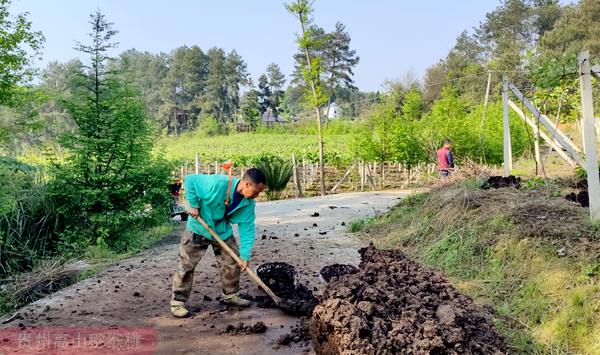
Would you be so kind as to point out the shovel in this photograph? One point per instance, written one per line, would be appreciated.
(251, 273)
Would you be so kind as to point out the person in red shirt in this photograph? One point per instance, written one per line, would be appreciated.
(445, 159)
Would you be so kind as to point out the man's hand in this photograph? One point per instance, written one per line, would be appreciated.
(192, 212)
(244, 265)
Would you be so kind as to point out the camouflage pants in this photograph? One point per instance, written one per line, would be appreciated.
(191, 250)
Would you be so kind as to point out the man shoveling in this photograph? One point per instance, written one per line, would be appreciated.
(220, 201)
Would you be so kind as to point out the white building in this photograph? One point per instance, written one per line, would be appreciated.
(334, 111)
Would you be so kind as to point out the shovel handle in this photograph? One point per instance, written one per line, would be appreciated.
(240, 262)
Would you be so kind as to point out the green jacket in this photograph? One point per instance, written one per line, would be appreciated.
(207, 193)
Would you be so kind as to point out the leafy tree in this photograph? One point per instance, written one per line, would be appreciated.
(185, 81)
(338, 61)
(250, 108)
(377, 140)
(293, 104)
(412, 108)
(264, 93)
(276, 80)
(576, 29)
(226, 73)
(109, 177)
(236, 75)
(312, 70)
(318, 38)
(147, 72)
(18, 45)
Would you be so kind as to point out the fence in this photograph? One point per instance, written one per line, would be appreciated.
(359, 176)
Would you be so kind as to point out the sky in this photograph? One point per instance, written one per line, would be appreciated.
(391, 37)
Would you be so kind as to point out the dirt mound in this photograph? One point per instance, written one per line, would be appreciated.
(496, 182)
(299, 333)
(240, 328)
(582, 198)
(393, 305)
(298, 300)
(336, 270)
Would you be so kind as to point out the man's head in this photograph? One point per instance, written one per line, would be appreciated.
(447, 144)
(253, 183)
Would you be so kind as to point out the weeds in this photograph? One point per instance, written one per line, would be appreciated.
(360, 224)
(500, 247)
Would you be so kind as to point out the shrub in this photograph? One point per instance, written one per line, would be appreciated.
(278, 173)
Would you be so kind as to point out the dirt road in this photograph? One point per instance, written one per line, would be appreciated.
(135, 292)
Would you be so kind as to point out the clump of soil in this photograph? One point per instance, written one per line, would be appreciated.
(581, 197)
(297, 299)
(393, 305)
(336, 270)
(497, 182)
(299, 333)
(240, 328)
(278, 276)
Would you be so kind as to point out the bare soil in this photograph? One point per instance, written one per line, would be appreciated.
(497, 182)
(331, 272)
(394, 305)
(136, 292)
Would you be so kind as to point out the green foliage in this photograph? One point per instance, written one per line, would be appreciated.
(376, 140)
(534, 183)
(29, 222)
(412, 108)
(246, 148)
(211, 126)
(109, 182)
(360, 224)
(452, 118)
(18, 45)
(278, 172)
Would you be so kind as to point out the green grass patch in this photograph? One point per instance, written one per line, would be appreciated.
(360, 224)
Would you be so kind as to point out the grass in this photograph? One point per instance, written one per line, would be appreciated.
(543, 303)
(360, 224)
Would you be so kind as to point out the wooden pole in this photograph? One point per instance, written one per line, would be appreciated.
(197, 164)
(361, 172)
(589, 134)
(342, 179)
(235, 257)
(297, 181)
(370, 176)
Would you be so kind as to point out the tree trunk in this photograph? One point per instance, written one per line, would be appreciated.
(382, 175)
(318, 112)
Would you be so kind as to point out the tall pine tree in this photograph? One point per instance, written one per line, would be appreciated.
(108, 179)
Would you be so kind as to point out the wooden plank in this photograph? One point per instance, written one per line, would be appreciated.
(342, 179)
